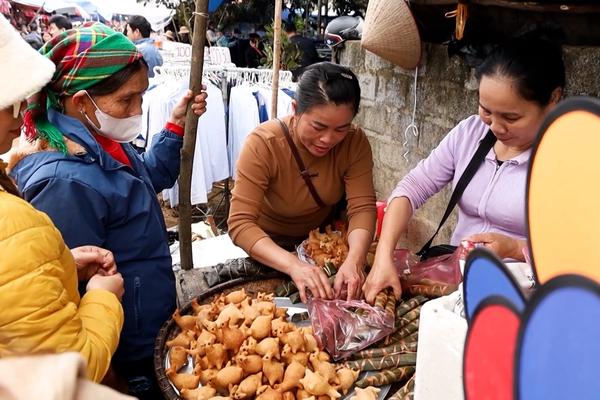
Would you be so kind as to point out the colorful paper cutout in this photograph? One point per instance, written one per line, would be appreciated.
(559, 355)
(564, 192)
(490, 351)
(556, 354)
(485, 276)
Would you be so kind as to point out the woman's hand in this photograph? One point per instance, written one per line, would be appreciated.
(198, 107)
(92, 260)
(307, 276)
(350, 275)
(383, 275)
(501, 245)
(113, 283)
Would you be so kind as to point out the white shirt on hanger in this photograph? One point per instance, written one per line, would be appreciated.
(284, 102)
(243, 118)
(211, 163)
(212, 134)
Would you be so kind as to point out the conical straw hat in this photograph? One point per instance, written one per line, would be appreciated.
(391, 32)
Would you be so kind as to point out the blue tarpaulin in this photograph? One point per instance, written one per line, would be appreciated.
(213, 5)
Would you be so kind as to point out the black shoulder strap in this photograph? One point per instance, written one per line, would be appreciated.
(484, 147)
(304, 173)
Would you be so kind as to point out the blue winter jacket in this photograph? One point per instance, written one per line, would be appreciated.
(95, 200)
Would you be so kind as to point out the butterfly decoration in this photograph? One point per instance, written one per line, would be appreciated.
(546, 346)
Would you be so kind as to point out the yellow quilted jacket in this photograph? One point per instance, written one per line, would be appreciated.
(41, 308)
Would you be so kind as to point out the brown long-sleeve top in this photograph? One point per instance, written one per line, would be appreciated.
(271, 198)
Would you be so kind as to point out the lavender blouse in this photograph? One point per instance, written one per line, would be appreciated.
(494, 200)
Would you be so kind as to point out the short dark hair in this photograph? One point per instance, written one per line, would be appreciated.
(140, 23)
(290, 27)
(533, 63)
(325, 83)
(33, 27)
(115, 81)
(253, 35)
(61, 22)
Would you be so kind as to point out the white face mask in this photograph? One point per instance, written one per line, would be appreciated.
(122, 130)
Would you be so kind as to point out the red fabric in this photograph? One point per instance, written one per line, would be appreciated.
(114, 149)
(176, 129)
(4, 7)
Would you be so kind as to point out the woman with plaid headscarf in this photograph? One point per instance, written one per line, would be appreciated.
(43, 310)
(84, 174)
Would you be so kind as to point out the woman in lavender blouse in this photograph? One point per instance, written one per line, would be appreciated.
(519, 83)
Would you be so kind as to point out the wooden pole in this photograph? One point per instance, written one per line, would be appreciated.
(319, 22)
(326, 17)
(189, 139)
(307, 21)
(276, 57)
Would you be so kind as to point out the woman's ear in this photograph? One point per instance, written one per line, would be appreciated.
(79, 100)
(294, 105)
(556, 96)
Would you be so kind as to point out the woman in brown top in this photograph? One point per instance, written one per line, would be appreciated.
(272, 205)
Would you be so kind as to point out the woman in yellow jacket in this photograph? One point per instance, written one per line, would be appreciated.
(42, 310)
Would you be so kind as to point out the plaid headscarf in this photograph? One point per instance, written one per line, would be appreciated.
(83, 56)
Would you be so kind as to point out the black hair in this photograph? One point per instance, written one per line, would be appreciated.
(141, 23)
(534, 64)
(33, 27)
(324, 83)
(254, 36)
(61, 22)
(290, 27)
(115, 81)
(7, 184)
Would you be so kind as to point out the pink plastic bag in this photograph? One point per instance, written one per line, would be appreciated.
(442, 272)
(344, 327)
(404, 260)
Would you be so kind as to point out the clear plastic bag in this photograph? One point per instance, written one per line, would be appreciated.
(344, 327)
(436, 276)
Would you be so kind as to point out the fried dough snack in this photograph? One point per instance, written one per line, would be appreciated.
(329, 247)
(243, 348)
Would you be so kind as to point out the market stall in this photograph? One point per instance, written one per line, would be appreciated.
(239, 340)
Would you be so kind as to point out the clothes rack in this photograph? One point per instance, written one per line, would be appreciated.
(224, 77)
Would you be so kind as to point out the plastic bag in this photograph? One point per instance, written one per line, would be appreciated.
(404, 260)
(344, 327)
(330, 257)
(436, 276)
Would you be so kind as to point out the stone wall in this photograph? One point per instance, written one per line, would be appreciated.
(446, 94)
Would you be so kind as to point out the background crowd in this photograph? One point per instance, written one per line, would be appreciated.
(247, 47)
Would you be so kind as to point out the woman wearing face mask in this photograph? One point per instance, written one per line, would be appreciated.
(519, 83)
(43, 311)
(272, 208)
(82, 172)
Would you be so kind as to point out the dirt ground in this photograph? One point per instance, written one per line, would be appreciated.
(218, 206)
(171, 215)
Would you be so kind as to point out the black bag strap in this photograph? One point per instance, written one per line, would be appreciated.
(304, 173)
(484, 147)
